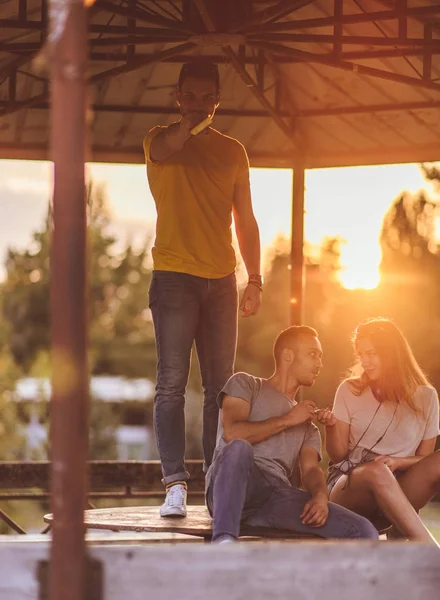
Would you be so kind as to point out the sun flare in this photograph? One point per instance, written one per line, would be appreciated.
(360, 265)
(352, 279)
(437, 229)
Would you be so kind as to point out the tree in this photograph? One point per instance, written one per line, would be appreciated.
(121, 331)
(411, 272)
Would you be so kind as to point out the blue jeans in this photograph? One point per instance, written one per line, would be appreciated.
(240, 492)
(185, 309)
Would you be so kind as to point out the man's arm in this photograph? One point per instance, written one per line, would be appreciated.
(236, 424)
(315, 511)
(170, 140)
(248, 237)
(246, 227)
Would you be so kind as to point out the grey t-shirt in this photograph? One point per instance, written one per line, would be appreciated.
(279, 453)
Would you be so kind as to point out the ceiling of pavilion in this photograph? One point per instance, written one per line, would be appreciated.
(328, 82)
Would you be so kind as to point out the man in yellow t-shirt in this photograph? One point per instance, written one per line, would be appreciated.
(199, 181)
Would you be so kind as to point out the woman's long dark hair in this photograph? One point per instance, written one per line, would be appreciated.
(401, 375)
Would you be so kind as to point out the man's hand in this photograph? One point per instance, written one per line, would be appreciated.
(326, 417)
(178, 135)
(315, 511)
(301, 412)
(392, 463)
(251, 300)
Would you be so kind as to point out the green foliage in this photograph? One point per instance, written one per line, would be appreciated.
(25, 305)
(103, 422)
(12, 441)
(411, 272)
(121, 331)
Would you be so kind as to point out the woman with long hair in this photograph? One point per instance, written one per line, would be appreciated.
(381, 434)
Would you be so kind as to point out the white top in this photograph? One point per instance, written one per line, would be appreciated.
(405, 430)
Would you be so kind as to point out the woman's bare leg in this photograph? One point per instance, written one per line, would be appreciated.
(373, 485)
(422, 481)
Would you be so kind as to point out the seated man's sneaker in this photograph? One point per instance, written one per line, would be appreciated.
(175, 501)
(225, 539)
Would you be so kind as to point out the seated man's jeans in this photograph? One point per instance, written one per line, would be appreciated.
(241, 493)
(185, 309)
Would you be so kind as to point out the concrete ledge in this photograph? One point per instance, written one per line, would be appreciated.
(300, 570)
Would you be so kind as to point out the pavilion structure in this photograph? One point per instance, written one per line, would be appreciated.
(305, 84)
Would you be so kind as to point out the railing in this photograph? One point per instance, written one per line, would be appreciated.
(107, 480)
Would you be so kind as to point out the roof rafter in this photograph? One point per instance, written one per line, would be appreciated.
(383, 15)
(250, 113)
(135, 64)
(345, 65)
(242, 72)
(269, 14)
(140, 15)
(141, 61)
(357, 40)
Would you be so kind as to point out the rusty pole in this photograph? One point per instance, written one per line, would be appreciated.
(297, 246)
(67, 53)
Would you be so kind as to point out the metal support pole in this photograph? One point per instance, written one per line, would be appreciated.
(297, 246)
(67, 53)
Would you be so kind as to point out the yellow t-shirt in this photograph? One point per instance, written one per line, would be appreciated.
(193, 191)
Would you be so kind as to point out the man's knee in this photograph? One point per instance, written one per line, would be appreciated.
(239, 451)
(171, 383)
(347, 524)
(365, 530)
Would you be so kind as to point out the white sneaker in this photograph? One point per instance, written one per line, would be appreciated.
(175, 501)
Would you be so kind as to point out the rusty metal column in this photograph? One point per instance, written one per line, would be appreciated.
(67, 53)
(297, 246)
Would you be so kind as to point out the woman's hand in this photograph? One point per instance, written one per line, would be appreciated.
(391, 462)
(326, 417)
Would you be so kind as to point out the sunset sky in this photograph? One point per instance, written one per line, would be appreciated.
(345, 202)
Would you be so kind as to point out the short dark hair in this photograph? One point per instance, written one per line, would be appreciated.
(200, 69)
(288, 337)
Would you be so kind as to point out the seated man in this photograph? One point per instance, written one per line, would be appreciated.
(262, 434)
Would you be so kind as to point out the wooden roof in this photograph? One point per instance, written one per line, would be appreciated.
(326, 82)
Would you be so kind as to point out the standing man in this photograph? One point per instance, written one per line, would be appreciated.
(198, 181)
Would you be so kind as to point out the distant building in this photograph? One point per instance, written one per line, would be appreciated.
(134, 437)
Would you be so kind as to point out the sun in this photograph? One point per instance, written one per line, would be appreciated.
(352, 279)
(360, 266)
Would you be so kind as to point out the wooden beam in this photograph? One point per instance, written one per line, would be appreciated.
(269, 14)
(103, 474)
(142, 109)
(344, 40)
(205, 14)
(345, 65)
(140, 15)
(254, 89)
(139, 62)
(368, 109)
(314, 158)
(297, 278)
(368, 17)
(427, 55)
(242, 72)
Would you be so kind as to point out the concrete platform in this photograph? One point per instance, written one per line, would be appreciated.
(300, 570)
